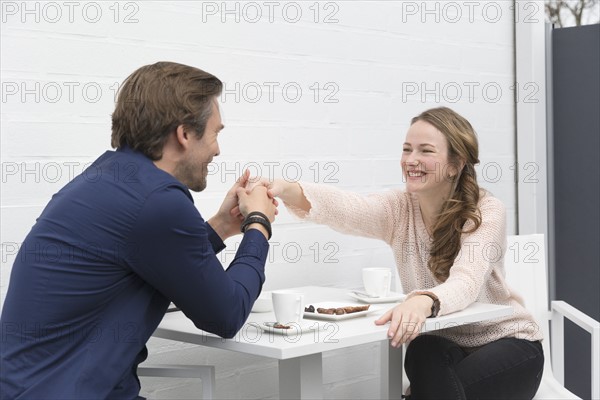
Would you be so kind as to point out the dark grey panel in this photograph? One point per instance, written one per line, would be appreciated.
(576, 108)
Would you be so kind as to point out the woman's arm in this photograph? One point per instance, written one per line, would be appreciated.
(375, 215)
(481, 251)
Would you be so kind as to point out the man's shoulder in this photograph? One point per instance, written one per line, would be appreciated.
(118, 184)
(130, 171)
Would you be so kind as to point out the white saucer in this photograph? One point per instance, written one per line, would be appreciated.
(293, 330)
(393, 297)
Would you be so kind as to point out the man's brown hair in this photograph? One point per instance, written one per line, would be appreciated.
(155, 99)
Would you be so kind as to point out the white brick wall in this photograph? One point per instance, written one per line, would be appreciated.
(381, 62)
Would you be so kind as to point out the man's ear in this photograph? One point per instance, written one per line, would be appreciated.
(182, 134)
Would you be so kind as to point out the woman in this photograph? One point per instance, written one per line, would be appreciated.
(448, 238)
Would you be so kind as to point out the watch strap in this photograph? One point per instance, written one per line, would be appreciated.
(435, 307)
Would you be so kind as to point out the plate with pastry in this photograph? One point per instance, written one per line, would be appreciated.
(331, 311)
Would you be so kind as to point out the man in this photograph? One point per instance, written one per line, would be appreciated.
(96, 273)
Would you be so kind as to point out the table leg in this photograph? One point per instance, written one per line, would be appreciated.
(391, 371)
(301, 377)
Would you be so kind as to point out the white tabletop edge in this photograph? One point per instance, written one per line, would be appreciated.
(333, 335)
(471, 314)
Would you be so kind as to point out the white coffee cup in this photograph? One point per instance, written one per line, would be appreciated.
(288, 306)
(377, 281)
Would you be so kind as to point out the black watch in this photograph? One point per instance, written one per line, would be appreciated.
(435, 307)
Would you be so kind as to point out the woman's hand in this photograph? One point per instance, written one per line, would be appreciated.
(406, 319)
(255, 181)
(290, 192)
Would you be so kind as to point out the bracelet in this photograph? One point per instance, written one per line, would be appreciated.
(435, 307)
(257, 219)
(258, 213)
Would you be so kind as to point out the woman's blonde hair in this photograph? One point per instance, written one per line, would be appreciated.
(462, 204)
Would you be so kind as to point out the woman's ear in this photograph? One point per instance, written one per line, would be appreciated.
(455, 168)
(461, 167)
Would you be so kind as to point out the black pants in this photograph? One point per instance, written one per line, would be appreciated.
(508, 368)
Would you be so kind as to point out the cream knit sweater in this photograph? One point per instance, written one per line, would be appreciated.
(478, 271)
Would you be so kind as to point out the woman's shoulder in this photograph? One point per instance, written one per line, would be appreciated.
(487, 201)
(492, 212)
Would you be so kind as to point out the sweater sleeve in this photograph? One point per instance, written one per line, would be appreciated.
(372, 215)
(173, 249)
(481, 251)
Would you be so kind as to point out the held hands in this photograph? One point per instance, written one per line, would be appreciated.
(257, 205)
(254, 194)
(257, 199)
(406, 319)
(228, 220)
(289, 192)
(277, 187)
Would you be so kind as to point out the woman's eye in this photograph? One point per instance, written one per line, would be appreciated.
(406, 150)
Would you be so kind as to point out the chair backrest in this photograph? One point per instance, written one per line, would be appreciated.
(526, 274)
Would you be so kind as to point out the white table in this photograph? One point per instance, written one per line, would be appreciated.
(300, 356)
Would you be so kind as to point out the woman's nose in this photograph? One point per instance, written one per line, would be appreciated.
(411, 159)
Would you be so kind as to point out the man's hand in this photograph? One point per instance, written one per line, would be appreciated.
(257, 199)
(228, 220)
(254, 182)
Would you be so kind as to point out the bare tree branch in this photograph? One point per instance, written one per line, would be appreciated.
(576, 8)
(553, 8)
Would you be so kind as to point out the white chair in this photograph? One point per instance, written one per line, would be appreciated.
(204, 372)
(525, 264)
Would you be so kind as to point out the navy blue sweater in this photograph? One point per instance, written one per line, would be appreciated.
(95, 275)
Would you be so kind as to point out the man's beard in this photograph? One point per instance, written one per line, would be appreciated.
(199, 185)
(193, 176)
